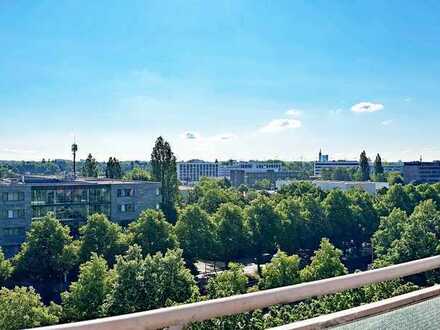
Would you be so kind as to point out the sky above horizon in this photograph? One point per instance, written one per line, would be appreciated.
(220, 80)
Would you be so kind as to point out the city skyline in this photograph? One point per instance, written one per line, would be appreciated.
(230, 80)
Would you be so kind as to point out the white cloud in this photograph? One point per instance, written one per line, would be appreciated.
(408, 99)
(367, 107)
(293, 112)
(386, 122)
(278, 125)
(191, 135)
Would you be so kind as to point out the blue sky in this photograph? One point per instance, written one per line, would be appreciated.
(224, 79)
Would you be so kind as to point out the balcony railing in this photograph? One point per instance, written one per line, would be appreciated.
(179, 316)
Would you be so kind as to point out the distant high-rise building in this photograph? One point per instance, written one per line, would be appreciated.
(322, 157)
(421, 172)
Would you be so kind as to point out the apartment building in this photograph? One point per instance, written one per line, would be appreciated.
(72, 201)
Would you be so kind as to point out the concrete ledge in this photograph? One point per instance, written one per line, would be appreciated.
(361, 312)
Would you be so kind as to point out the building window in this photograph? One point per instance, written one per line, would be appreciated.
(126, 208)
(13, 231)
(125, 192)
(13, 196)
(12, 214)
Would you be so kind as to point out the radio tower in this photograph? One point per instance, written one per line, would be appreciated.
(74, 150)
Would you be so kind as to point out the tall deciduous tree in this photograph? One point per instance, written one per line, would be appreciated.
(389, 231)
(264, 224)
(148, 283)
(283, 270)
(101, 236)
(378, 167)
(228, 283)
(231, 232)
(364, 166)
(293, 225)
(48, 253)
(326, 263)
(152, 233)
(85, 298)
(339, 216)
(195, 233)
(164, 170)
(90, 167)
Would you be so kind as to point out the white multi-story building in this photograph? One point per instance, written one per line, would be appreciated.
(225, 169)
(333, 165)
(193, 170)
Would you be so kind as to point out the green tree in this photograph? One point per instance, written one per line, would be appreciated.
(163, 163)
(397, 197)
(48, 253)
(231, 231)
(364, 166)
(293, 231)
(342, 174)
(195, 233)
(339, 216)
(6, 269)
(152, 233)
(113, 169)
(395, 178)
(315, 220)
(378, 167)
(228, 283)
(142, 284)
(264, 224)
(21, 308)
(420, 236)
(365, 216)
(389, 231)
(283, 270)
(326, 263)
(90, 167)
(138, 174)
(211, 199)
(101, 236)
(85, 298)
(263, 184)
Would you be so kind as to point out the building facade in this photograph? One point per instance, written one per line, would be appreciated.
(193, 170)
(72, 201)
(333, 165)
(421, 172)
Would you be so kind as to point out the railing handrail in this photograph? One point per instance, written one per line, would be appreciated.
(201, 311)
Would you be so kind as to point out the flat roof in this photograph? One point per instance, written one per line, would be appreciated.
(49, 181)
